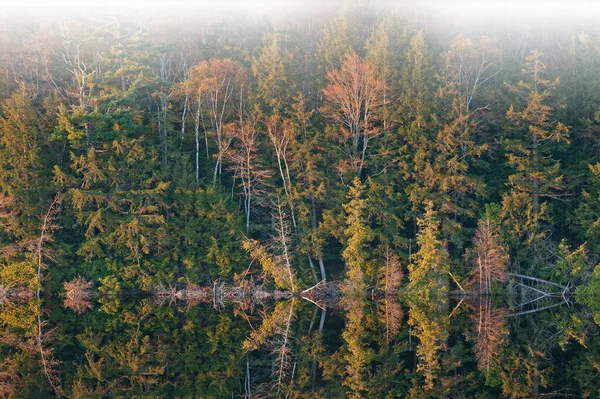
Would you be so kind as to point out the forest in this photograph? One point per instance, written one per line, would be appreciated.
(362, 199)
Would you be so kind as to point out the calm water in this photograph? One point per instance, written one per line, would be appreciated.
(242, 344)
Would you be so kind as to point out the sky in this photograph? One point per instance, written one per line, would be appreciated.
(524, 8)
(266, 4)
(225, 4)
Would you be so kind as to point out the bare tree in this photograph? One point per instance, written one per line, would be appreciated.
(42, 254)
(469, 66)
(282, 242)
(281, 134)
(282, 349)
(245, 163)
(391, 272)
(275, 332)
(82, 63)
(213, 85)
(390, 311)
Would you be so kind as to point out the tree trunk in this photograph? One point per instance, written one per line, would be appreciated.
(197, 131)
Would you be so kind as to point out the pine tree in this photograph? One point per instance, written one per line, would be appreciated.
(427, 295)
(530, 152)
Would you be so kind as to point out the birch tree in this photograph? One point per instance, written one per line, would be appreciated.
(353, 93)
(216, 85)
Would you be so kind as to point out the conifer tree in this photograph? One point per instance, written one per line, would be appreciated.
(427, 295)
(531, 151)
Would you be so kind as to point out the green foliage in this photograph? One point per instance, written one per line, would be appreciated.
(159, 135)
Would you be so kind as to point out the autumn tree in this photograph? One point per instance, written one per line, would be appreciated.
(490, 256)
(78, 295)
(469, 66)
(245, 162)
(218, 86)
(491, 332)
(353, 93)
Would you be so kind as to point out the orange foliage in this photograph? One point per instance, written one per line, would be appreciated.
(353, 94)
(78, 294)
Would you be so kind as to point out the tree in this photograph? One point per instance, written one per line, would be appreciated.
(490, 256)
(21, 152)
(274, 75)
(335, 42)
(391, 274)
(246, 164)
(441, 172)
(282, 135)
(216, 85)
(275, 329)
(530, 153)
(78, 294)
(427, 295)
(282, 243)
(357, 236)
(469, 66)
(380, 53)
(587, 215)
(416, 87)
(353, 93)
(492, 333)
(522, 372)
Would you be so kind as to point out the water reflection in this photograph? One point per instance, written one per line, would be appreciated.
(331, 340)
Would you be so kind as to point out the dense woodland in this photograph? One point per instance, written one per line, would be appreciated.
(348, 201)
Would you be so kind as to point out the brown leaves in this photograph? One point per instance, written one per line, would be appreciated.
(490, 256)
(391, 272)
(492, 334)
(78, 295)
(353, 94)
(215, 78)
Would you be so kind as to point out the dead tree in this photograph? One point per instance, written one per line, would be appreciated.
(282, 242)
(246, 165)
(490, 257)
(212, 86)
(492, 333)
(282, 349)
(78, 295)
(281, 134)
(43, 253)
